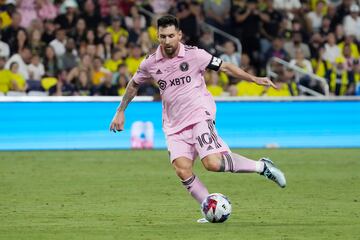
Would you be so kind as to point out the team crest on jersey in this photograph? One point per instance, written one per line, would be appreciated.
(184, 66)
(162, 84)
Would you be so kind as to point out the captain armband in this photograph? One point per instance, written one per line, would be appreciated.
(214, 64)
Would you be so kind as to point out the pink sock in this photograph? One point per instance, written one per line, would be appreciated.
(196, 188)
(235, 163)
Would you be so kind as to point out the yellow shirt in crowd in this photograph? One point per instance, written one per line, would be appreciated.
(5, 81)
(117, 34)
(112, 65)
(133, 64)
(19, 80)
(246, 88)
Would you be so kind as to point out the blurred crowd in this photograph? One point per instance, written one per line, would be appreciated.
(88, 47)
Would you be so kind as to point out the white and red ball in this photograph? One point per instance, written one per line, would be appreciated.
(216, 208)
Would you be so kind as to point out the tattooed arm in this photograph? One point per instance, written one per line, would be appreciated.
(118, 121)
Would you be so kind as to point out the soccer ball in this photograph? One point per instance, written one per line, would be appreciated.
(216, 208)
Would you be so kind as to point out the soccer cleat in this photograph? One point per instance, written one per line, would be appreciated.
(202, 220)
(273, 173)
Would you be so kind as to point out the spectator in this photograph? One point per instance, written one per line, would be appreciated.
(270, 26)
(354, 88)
(121, 79)
(301, 62)
(67, 20)
(59, 42)
(105, 47)
(9, 34)
(4, 50)
(49, 32)
(5, 77)
(84, 65)
(188, 23)
(289, 7)
(332, 51)
(246, 88)
(116, 30)
(135, 31)
(36, 69)
(286, 85)
(79, 32)
(315, 17)
(46, 9)
(161, 7)
(99, 72)
(295, 44)
(113, 63)
(320, 65)
(217, 13)
(349, 40)
(316, 41)
(20, 42)
(276, 50)
(82, 85)
(18, 82)
(51, 63)
(145, 42)
(91, 14)
(90, 38)
(339, 33)
(305, 65)
(107, 88)
(114, 13)
(341, 11)
(325, 27)
(212, 79)
(133, 61)
(206, 41)
(249, 20)
(101, 31)
(27, 10)
(134, 14)
(340, 79)
(230, 54)
(70, 59)
(21, 59)
(352, 22)
(349, 59)
(36, 45)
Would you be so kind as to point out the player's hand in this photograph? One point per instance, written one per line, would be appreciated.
(265, 81)
(118, 121)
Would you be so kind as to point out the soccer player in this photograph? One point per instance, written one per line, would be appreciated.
(188, 109)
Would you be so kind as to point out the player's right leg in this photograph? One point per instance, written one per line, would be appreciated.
(182, 155)
(183, 169)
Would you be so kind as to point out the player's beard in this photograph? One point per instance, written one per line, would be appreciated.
(169, 50)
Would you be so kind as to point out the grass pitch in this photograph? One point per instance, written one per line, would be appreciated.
(136, 195)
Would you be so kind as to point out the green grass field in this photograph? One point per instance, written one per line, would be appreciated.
(136, 195)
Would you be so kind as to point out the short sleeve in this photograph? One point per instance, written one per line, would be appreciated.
(142, 75)
(206, 60)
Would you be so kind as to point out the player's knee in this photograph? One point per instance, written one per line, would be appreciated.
(212, 163)
(183, 169)
(183, 173)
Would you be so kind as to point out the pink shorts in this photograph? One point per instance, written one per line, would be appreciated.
(198, 139)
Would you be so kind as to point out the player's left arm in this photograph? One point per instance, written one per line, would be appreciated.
(237, 72)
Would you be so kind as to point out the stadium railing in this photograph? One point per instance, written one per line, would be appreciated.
(299, 73)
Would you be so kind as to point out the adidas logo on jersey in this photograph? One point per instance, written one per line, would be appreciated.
(158, 71)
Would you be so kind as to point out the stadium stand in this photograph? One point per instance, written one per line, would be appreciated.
(87, 47)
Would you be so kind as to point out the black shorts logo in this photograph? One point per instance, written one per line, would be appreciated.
(184, 66)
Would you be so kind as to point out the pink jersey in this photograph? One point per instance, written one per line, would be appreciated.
(185, 98)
